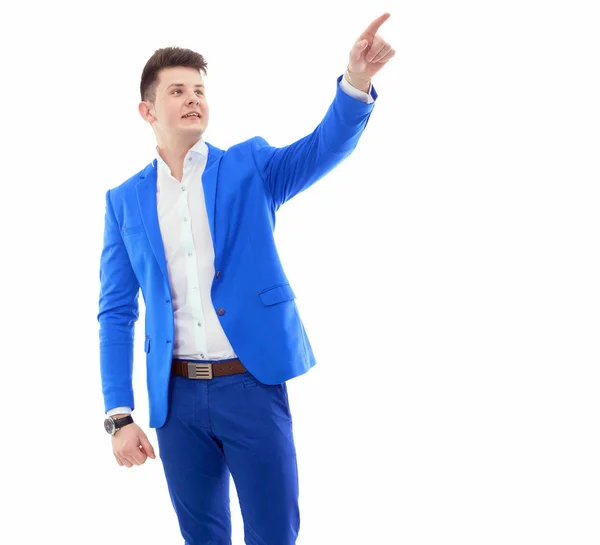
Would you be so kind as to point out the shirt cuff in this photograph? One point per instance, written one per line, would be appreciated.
(356, 93)
(119, 410)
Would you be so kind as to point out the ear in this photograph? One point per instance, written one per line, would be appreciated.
(146, 112)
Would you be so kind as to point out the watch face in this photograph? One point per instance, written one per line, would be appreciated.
(109, 426)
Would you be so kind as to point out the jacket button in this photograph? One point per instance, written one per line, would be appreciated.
(218, 274)
(221, 311)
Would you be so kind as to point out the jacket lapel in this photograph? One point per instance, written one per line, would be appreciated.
(146, 194)
(209, 185)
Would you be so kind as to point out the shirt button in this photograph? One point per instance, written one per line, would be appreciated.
(189, 158)
(182, 188)
(194, 288)
(199, 324)
(221, 311)
(189, 253)
(218, 274)
(184, 219)
(202, 356)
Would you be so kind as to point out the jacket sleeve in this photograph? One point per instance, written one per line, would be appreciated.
(118, 312)
(289, 170)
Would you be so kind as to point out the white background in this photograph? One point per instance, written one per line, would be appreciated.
(447, 272)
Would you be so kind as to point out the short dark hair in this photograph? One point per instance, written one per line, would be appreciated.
(166, 58)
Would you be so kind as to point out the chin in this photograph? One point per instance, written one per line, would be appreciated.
(189, 131)
(199, 128)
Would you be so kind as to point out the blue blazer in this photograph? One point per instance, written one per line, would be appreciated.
(244, 186)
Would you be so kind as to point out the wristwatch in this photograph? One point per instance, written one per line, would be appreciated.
(113, 425)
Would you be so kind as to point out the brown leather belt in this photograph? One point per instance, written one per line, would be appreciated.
(207, 371)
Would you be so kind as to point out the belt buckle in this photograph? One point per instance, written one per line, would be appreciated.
(201, 371)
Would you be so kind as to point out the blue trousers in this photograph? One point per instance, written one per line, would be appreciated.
(238, 426)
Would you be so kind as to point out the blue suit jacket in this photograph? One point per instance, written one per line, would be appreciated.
(243, 188)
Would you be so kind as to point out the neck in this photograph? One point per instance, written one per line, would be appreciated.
(173, 153)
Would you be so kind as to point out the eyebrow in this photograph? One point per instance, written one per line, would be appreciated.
(183, 85)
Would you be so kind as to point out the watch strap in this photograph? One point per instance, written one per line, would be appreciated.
(120, 422)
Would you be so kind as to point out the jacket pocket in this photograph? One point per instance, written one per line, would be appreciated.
(147, 344)
(277, 294)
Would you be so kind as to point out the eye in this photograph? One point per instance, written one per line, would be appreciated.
(200, 92)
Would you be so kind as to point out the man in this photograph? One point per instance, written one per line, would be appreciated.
(194, 231)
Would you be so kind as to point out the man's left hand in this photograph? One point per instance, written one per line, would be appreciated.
(369, 54)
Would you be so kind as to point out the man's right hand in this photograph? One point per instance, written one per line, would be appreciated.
(131, 446)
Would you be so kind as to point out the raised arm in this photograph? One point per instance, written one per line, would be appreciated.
(289, 170)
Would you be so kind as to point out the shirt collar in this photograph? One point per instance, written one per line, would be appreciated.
(198, 152)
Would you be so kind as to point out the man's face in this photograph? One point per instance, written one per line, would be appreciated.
(180, 92)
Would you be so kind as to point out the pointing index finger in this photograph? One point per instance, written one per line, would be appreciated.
(372, 29)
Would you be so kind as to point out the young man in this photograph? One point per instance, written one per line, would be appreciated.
(194, 231)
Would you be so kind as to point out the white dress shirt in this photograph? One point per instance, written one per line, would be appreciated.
(190, 255)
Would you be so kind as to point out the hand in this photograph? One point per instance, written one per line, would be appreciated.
(369, 54)
(131, 446)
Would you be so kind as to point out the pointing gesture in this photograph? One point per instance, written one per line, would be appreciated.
(369, 54)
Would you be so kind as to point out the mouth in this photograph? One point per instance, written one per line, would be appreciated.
(192, 115)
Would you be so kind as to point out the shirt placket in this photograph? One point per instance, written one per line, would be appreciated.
(193, 279)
